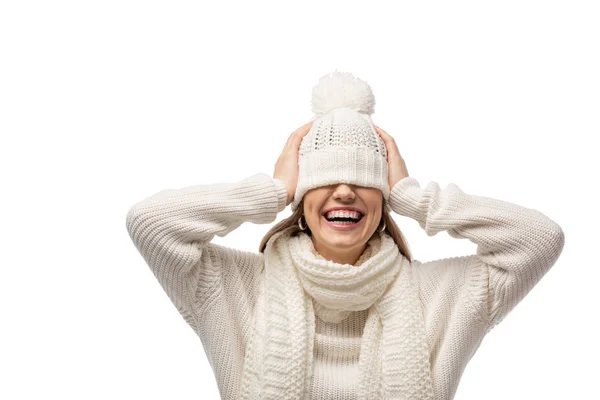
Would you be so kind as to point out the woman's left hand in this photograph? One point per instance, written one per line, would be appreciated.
(396, 166)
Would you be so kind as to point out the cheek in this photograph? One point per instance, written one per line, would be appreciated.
(373, 222)
(314, 217)
(376, 216)
(312, 208)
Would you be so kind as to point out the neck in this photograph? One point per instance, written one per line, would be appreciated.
(349, 257)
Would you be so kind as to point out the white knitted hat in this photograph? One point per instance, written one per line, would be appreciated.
(342, 145)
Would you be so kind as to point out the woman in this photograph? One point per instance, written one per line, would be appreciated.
(333, 306)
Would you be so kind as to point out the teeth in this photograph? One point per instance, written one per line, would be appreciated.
(343, 214)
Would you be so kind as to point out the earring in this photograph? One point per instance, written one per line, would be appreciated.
(383, 228)
(300, 225)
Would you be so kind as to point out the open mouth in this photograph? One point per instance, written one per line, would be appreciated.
(345, 222)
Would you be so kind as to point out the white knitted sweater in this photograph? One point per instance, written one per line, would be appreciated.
(215, 287)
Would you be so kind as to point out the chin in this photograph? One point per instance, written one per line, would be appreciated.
(348, 239)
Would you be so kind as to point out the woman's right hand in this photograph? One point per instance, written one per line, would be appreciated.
(286, 168)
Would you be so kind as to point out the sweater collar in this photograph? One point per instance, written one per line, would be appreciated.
(339, 289)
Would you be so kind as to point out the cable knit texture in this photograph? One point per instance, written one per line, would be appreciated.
(216, 288)
(278, 364)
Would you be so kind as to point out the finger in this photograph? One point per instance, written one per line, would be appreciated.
(303, 129)
(288, 142)
(297, 136)
(390, 144)
(384, 135)
(389, 141)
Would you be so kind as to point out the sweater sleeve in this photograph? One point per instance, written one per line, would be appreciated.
(516, 246)
(173, 228)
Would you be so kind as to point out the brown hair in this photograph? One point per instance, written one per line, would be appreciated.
(391, 228)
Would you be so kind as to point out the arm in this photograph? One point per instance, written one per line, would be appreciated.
(172, 230)
(516, 246)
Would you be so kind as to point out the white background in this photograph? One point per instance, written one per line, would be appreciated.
(105, 103)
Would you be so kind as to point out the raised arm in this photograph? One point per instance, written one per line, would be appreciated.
(516, 246)
(172, 230)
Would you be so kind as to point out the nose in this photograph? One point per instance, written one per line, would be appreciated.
(344, 192)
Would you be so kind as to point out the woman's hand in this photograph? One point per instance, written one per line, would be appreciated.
(286, 168)
(396, 166)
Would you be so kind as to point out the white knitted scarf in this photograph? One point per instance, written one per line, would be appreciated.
(394, 355)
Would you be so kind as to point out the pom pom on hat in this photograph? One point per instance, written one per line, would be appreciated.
(342, 89)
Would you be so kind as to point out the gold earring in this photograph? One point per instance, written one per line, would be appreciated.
(383, 228)
(300, 225)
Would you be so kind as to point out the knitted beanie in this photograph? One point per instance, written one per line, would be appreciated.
(342, 145)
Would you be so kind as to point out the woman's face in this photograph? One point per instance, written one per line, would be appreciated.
(335, 240)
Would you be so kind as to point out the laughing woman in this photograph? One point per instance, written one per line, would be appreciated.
(333, 306)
